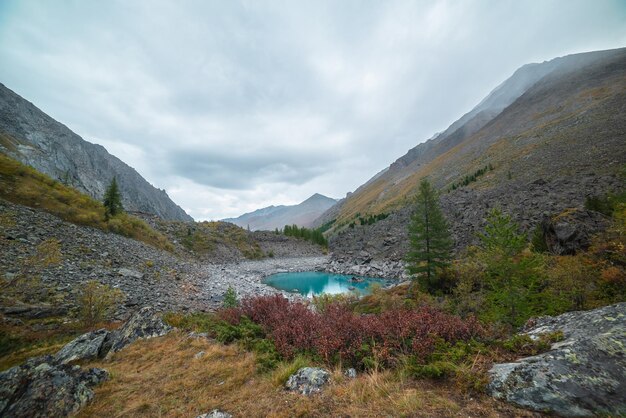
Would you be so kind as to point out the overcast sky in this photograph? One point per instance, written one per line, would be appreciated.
(235, 105)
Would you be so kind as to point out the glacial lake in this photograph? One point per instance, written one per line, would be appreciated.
(310, 283)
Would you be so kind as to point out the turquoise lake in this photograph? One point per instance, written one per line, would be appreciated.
(310, 283)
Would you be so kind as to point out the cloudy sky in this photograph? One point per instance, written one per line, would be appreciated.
(235, 105)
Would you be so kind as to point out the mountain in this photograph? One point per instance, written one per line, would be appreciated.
(546, 139)
(273, 217)
(444, 158)
(34, 138)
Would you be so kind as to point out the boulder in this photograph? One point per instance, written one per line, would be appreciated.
(308, 380)
(130, 273)
(571, 231)
(216, 413)
(86, 347)
(34, 311)
(583, 375)
(42, 387)
(350, 373)
(145, 323)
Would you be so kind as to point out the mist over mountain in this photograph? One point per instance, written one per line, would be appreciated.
(443, 158)
(272, 217)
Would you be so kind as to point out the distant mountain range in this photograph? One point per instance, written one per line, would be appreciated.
(34, 138)
(273, 217)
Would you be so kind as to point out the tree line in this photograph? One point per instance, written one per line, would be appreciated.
(314, 235)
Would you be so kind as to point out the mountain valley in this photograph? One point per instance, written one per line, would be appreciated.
(161, 315)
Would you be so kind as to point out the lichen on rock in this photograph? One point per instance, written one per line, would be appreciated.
(583, 375)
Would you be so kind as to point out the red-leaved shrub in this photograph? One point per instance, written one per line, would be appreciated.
(339, 335)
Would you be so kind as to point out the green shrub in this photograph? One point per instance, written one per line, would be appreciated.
(523, 345)
(538, 240)
(97, 302)
(230, 298)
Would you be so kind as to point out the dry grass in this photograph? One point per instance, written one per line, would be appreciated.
(26, 186)
(161, 378)
(18, 343)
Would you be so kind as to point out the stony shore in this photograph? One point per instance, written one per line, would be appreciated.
(147, 276)
(246, 277)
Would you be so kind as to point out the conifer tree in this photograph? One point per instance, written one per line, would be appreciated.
(429, 239)
(112, 200)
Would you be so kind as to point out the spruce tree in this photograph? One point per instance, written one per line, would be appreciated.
(429, 239)
(112, 200)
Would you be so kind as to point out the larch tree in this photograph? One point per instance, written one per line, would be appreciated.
(112, 200)
(429, 240)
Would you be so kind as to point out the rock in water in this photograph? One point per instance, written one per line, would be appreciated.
(145, 323)
(86, 347)
(216, 413)
(583, 375)
(41, 387)
(308, 380)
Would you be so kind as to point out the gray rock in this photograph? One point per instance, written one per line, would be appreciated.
(583, 375)
(130, 273)
(145, 323)
(199, 354)
(43, 388)
(216, 413)
(350, 373)
(86, 347)
(308, 380)
(34, 311)
(568, 234)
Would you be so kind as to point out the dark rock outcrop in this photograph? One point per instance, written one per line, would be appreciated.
(145, 323)
(308, 380)
(583, 375)
(88, 346)
(42, 387)
(571, 232)
(34, 311)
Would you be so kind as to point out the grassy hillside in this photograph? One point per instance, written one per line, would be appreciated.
(564, 125)
(203, 238)
(26, 186)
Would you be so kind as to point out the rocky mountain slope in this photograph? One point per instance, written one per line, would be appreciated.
(558, 143)
(273, 217)
(32, 137)
(526, 97)
(147, 276)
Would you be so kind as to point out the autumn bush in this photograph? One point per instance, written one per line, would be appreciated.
(337, 335)
(97, 302)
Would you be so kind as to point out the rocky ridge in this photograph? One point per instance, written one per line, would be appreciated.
(267, 219)
(34, 138)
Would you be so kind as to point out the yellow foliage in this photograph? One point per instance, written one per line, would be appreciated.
(26, 186)
(98, 301)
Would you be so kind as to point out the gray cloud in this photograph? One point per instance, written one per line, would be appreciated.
(245, 171)
(234, 105)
